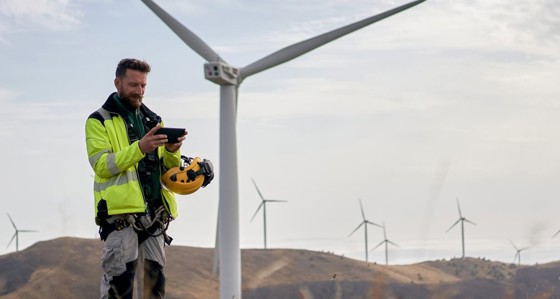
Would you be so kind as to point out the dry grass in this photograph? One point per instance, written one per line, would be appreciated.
(69, 268)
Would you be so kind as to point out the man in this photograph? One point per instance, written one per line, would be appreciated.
(131, 208)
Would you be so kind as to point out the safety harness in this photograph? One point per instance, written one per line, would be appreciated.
(149, 169)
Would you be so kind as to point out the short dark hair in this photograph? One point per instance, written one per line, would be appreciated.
(132, 64)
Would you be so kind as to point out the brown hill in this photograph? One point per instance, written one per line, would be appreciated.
(69, 268)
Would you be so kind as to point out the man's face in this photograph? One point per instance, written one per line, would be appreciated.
(132, 86)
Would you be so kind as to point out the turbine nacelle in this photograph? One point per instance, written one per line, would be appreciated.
(221, 73)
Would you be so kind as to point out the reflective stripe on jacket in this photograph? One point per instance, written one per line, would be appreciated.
(115, 162)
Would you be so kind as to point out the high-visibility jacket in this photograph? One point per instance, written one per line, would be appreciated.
(114, 160)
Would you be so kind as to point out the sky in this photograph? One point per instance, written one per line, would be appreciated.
(448, 102)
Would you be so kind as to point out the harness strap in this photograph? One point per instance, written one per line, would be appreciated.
(146, 228)
(107, 228)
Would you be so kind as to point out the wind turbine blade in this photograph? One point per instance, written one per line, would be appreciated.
(188, 37)
(258, 191)
(216, 257)
(27, 231)
(392, 243)
(467, 220)
(275, 200)
(373, 223)
(459, 208)
(12, 221)
(558, 232)
(11, 240)
(262, 203)
(236, 101)
(298, 49)
(362, 209)
(356, 229)
(215, 262)
(510, 241)
(453, 225)
(384, 232)
(380, 243)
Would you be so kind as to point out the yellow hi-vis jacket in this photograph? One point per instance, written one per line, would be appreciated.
(115, 161)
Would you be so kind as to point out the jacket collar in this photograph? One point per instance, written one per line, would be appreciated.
(111, 106)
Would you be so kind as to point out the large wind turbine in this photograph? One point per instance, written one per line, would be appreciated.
(517, 253)
(365, 223)
(229, 78)
(263, 205)
(462, 220)
(16, 234)
(387, 242)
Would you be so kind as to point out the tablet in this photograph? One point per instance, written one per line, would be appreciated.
(172, 133)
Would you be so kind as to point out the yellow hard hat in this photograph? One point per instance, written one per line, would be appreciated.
(189, 177)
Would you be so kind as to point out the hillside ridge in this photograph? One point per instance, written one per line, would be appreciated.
(68, 267)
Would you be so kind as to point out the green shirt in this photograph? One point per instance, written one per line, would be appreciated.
(152, 186)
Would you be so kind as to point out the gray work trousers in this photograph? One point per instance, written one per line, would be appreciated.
(120, 255)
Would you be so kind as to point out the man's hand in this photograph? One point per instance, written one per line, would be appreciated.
(150, 141)
(173, 147)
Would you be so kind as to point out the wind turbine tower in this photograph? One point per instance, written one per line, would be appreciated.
(462, 220)
(365, 223)
(16, 234)
(517, 253)
(263, 205)
(229, 78)
(387, 242)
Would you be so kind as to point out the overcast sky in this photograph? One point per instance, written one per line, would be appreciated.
(448, 100)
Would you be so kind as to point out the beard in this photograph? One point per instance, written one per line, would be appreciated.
(133, 99)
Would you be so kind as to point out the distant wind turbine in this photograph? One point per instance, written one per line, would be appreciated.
(263, 205)
(387, 242)
(16, 234)
(365, 223)
(462, 220)
(229, 78)
(517, 253)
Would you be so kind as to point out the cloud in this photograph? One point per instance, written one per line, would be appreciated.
(34, 121)
(528, 26)
(6, 94)
(7, 100)
(38, 14)
(526, 21)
